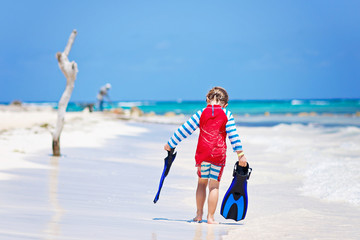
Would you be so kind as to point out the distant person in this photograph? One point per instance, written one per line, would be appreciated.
(102, 94)
(215, 123)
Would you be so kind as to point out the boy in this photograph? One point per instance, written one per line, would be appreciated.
(215, 123)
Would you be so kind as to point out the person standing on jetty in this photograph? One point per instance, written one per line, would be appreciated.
(215, 123)
(103, 92)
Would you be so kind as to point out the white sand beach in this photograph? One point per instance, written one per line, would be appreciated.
(304, 183)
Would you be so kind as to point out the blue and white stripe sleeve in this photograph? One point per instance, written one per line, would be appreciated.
(185, 130)
(232, 132)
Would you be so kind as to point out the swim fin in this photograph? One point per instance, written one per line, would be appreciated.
(167, 164)
(235, 202)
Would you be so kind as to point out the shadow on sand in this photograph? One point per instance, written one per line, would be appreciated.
(192, 221)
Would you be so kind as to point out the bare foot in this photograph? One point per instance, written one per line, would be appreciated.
(211, 220)
(198, 217)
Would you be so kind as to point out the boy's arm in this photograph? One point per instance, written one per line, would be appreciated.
(232, 133)
(235, 139)
(184, 131)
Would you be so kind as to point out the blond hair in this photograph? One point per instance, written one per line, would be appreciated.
(218, 94)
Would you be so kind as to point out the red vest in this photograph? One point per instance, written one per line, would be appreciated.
(212, 139)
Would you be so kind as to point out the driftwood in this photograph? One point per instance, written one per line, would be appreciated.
(70, 70)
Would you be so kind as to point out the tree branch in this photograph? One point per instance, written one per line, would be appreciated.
(70, 42)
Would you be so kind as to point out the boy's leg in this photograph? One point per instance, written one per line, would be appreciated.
(213, 199)
(200, 198)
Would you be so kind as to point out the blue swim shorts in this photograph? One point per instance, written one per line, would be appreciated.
(211, 171)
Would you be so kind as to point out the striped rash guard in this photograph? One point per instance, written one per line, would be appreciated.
(215, 124)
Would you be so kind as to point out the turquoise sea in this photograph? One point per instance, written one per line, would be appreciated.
(238, 107)
(257, 107)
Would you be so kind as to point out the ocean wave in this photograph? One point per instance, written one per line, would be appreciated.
(330, 166)
(296, 102)
(319, 103)
(333, 179)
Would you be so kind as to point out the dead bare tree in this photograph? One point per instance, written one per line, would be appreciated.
(70, 71)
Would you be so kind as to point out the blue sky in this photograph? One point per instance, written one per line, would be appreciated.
(170, 50)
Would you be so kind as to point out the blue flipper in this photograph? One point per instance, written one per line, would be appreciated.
(235, 202)
(167, 164)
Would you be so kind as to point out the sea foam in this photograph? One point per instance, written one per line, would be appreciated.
(330, 166)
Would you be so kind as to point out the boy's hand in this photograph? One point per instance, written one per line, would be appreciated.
(242, 161)
(167, 147)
